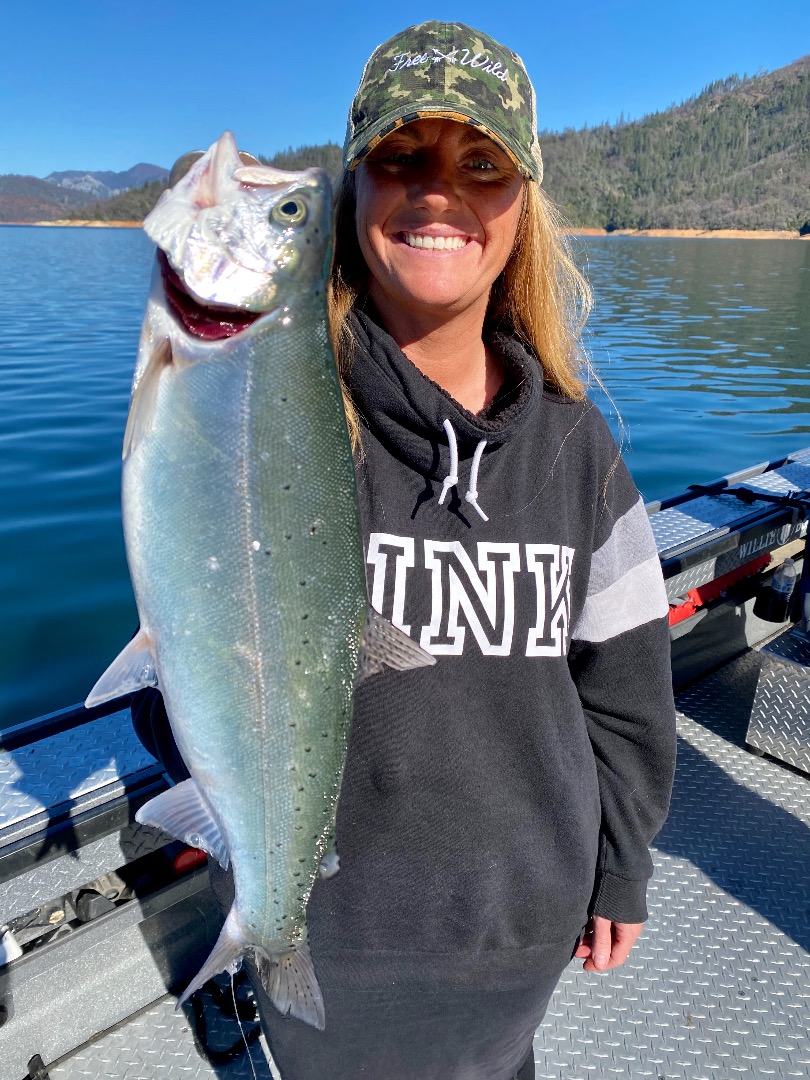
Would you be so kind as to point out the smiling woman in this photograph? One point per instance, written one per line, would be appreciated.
(436, 184)
(496, 808)
(437, 212)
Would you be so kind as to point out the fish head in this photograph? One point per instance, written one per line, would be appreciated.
(236, 238)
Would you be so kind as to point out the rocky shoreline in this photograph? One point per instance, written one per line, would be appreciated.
(70, 223)
(711, 234)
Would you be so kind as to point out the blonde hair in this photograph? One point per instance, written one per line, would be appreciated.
(540, 295)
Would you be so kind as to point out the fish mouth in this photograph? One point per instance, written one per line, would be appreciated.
(200, 320)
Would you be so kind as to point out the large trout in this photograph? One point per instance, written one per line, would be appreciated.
(246, 559)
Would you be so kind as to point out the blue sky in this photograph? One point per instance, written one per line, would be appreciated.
(99, 84)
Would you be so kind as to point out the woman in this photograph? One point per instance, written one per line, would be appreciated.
(496, 808)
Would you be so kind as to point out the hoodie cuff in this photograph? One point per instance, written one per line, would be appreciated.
(621, 899)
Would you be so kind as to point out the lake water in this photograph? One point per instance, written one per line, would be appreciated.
(702, 345)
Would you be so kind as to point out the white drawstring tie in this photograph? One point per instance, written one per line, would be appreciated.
(451, 480)
(472, 491)
(452, 477)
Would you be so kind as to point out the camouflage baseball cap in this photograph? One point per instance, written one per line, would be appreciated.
(448, 70)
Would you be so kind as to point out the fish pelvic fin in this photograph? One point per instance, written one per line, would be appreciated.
(133, 669)
(182, 812)
(225, 956)
(291, 984)
(385, 644)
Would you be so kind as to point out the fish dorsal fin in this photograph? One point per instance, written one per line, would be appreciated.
(329, 864)
(133, 669)
(144, 397)
(183, 813)
(385, 644)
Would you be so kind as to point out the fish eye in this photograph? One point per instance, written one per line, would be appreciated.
(290, 212)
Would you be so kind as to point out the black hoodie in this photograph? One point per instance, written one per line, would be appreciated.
(494, 801)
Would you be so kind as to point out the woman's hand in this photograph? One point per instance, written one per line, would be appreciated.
(606, 944)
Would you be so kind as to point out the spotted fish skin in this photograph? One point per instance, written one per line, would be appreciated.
(245, 554)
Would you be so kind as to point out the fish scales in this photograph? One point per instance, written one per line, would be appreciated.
(244, 549)
(261, 514)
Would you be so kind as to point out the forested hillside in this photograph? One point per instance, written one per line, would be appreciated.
(131, 205)
(328, 157)
(735, 156)
(25, 198)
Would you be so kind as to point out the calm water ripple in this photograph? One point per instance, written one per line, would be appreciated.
(703, 348)
(701, 345)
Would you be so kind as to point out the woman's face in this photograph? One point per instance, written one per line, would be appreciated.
(438, 205)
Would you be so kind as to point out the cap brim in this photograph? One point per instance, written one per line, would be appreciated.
(384, 126)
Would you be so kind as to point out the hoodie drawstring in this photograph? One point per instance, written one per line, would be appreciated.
(452, 477)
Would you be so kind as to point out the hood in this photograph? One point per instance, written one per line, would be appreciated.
(407, 411)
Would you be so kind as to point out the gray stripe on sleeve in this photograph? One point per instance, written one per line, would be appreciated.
(636, 598)
(626, 587)
(630, 542)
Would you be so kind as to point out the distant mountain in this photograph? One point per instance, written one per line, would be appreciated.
(28, 198)
(103, 185)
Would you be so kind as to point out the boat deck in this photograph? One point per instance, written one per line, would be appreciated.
(717, 987)
(719, 984)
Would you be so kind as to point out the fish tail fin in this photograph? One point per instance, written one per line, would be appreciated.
(291, 984)
(288, 976)
(225, 956)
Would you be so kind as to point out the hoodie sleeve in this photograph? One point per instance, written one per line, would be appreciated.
(620, 663)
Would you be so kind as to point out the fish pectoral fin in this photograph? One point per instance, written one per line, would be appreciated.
(183, 813)
(384, 643)
(133, 669)
(144, 397)
(225, 956)
(291, 984)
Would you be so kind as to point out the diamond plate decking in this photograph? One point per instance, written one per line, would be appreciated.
(159, 1043)
(717, 988)
(40, 780)
(780, 718)
(711, 517)
(719, 984)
